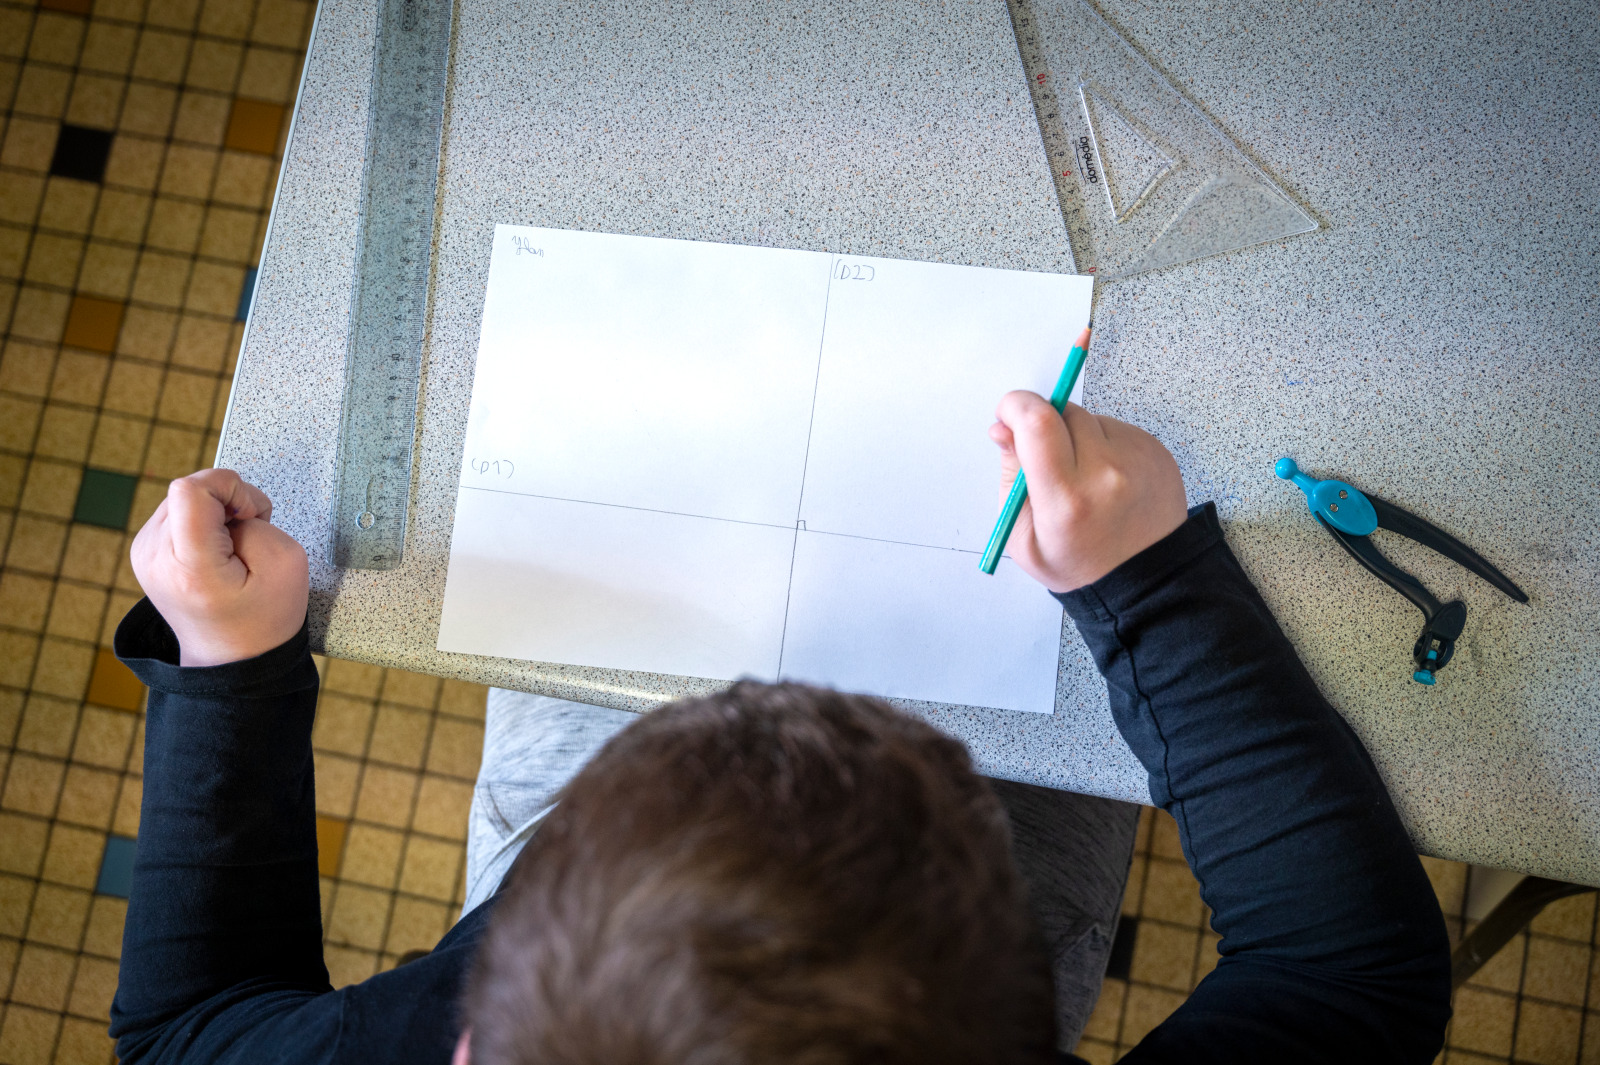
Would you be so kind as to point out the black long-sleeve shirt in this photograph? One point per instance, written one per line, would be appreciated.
(1333, 944)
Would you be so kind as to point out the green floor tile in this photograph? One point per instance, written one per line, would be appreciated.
(116, 867)
(105, 498)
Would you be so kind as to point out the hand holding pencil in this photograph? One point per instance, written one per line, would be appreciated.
(1018, 495)
(1098, 492)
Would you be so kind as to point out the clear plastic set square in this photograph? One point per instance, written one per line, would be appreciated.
(1146, 179)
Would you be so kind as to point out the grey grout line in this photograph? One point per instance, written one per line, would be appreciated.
(216, 169)
(11, 530)
(46, 401)
(40, 637)
(1584, 1032)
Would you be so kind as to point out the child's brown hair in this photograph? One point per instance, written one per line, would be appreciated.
(774, 873)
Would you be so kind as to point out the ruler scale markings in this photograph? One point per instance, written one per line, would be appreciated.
(388, 313)
(1057, 141)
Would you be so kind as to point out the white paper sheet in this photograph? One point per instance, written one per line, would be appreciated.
(919, 623)
(913, 364)
(668, 374)
(596, 585)
(654, 422)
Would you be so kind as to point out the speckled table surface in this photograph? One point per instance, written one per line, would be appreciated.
(1433, 342)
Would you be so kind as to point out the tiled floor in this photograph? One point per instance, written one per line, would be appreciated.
(137, 162)
(1526, 1005)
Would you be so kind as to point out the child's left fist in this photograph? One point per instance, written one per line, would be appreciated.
(231, 585)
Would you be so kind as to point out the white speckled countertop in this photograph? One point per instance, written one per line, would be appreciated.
(1432, 343)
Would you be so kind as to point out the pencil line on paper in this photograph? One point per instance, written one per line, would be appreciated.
(901, 543)
(788, 593)
(624, 506)
(805, 463)
(816, 383)
(797, 528)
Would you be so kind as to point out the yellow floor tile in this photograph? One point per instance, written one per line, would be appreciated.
(1546, 1034)
(43, 976)
(1106, 1020)
(416, 924)
(1096, 1052)
(57, 916)
(372, 855)
(89, 796)
(92, 988)
(456, 748)
(353, 678)
(1171, 893)
(68, 204)
(214, 65)
(1556, 970)
(442, 806)
(125, 822)
(268, 74)
(1569, 918)
(1164, 955)
(48, 725)
(91, 555)
(72, 857)
(32, 785)
(460, 698)
(79, 378)
(83, 1042)
(28, 1035)
(103, 935)
(1145, 1008)
(342, 725)
(16, 901)
(336, 778)
(96, 101)
(348, 965)
(1483, 1021)
(360, 916)
(103, 738)
(202, 118)
(386, 794)
(400, 736)
(432, 868)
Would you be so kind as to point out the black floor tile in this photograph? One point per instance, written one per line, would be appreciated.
(81, 153)
(1121, 959)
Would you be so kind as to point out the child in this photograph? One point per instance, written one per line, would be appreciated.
(779, 873)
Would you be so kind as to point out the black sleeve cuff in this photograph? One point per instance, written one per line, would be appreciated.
(1149, 569)
(146, 644)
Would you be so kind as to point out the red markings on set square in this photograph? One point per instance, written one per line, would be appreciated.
(1083, 149)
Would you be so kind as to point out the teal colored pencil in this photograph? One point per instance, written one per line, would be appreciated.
(1019, 488)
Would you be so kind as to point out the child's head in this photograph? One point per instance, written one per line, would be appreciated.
(770, 874)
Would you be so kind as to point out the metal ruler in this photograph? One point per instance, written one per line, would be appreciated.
(1057, 142)
(388, 315)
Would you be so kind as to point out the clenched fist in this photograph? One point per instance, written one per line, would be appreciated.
(231, 585)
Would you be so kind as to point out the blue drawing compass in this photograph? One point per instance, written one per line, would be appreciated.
(1351, 515)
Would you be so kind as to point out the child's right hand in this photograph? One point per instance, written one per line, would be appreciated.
(1099, 490)
(231, 585)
